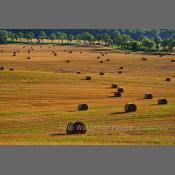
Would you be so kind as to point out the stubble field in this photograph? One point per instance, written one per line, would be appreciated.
(41, 95)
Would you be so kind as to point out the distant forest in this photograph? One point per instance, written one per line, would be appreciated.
(124, 39)
(134, 33)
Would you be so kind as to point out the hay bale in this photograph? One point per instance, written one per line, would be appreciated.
(120, 89)
(88, 78)
(28, 58)
(101, 61)
(144, 59)
(81, 52)
(76, 128)
(67, 61)
(117, 94)
(24, 46)
(119, 71)
(162, 101)
(98, 57)
(14, 53)
(82, 107)
(1, 68)
(78, 72)
(107, 59)
(2, 50)
(11, 69)
(101, 73)
(148, 96)
(168, 79)
(172, 60)
(130, 107)
(106, 53)
(70, 51)
(114, 86)
(64, 50)
(102, 54)
(121, 67)
(55, 54)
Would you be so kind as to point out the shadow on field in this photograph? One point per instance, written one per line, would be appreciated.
(112, 97)
(118, 113)
(59, 134)
(140, 99)
(154, 105)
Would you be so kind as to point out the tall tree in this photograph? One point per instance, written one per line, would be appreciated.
(42, 35)
(149, 44)
(52, 37)
(3, 36)
(20, 35)
(63, 36)
(29, 36)
(70, 37)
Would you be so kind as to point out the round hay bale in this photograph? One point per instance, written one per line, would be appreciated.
(101, 61)
(70, 51)
(148, 96)
(55, 54)
(98, 57)
(64, 50)
(14, 55)
(1, 68)
(81, 52)
(24, 46)
(120, 89)
(82, 107)
(76, 128)
(172, 60)
(101, 73)
(2, 50)
(117, 94)
(106, 53)
(162, 101)
(28, 58)
(144, 59)
(130, 107)
(107, 59)
(102, 54)
(78, 72)
(11, 69)
(121, 67)
(168, 79)
(18, 51)
(119, 71)
(114, 86)
(67, 61)
(88, 78)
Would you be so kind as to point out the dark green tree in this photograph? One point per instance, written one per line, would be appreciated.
(42, 35)
(3, 36)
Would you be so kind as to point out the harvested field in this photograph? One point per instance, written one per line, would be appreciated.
(39, 98)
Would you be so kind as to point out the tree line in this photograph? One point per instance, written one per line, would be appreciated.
(124, 39)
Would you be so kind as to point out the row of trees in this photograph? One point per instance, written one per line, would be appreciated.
(119, 39)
